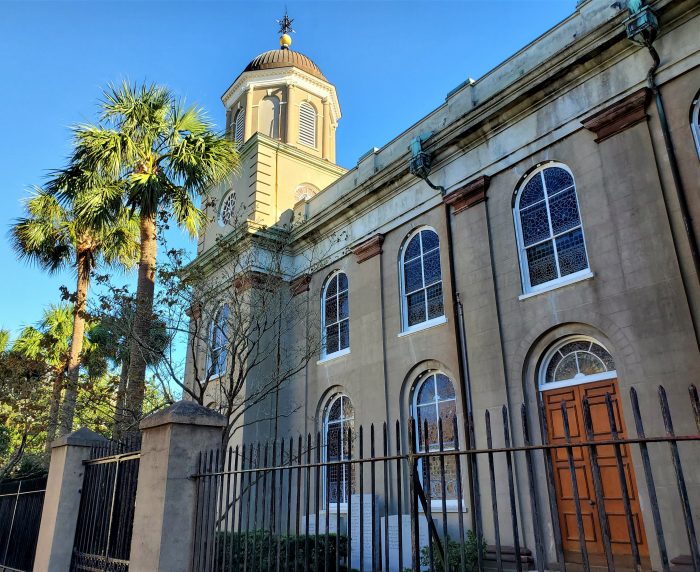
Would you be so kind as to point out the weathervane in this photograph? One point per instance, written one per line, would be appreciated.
(286, 24)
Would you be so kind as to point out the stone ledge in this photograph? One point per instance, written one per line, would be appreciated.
(184, 413)
(83, 437)
(369, 248)
(469, 195)
(300, 284)
(619, 116)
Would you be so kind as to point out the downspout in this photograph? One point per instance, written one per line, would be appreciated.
(677, 183)
(642, 28)
(419, 166)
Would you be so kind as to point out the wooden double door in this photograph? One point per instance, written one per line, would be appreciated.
(611, 483)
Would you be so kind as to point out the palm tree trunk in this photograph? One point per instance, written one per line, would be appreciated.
(142, 323)
(52, 423)
(121, 394)
(76, 344)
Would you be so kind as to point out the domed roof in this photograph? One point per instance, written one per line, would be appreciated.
(284, 58)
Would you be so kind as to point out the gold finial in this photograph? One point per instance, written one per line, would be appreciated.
(286, 29)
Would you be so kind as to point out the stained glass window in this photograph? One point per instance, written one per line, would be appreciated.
(218, 348)
(422, 278)
(551, 238)
(435, 400)
(336, 314)
(340, 418)
(227, 210)
(695, 122)
(577, 359)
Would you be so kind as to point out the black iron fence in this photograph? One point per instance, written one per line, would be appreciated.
(415, 498)
(106, 514)
(21, 502)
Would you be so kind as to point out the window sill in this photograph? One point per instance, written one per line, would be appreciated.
(450, 506)
(335, 355)
(423, 326)
(333, 509)
(559, 284)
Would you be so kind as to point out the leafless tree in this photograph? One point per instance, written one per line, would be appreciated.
(246, 332)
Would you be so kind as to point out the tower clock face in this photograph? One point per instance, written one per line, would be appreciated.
(304, 192)
(227, 210)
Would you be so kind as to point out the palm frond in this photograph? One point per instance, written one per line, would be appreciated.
(46, 236)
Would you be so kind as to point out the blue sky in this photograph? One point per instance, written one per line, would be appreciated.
(56, 56)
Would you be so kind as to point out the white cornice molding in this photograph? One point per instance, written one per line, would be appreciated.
(283, 77)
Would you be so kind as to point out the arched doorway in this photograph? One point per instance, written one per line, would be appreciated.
(575, 368)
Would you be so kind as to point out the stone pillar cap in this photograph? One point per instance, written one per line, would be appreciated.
(83, 437)
(184, 413)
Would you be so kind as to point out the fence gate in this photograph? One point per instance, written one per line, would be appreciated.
(20, 516)
(106, 515)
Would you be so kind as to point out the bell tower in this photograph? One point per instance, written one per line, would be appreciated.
(283, 112)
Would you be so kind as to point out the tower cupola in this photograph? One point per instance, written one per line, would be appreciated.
(283, 94)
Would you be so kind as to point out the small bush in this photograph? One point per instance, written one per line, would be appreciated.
(257, 551)
(454, 551)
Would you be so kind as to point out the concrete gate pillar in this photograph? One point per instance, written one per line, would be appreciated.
(166, 495)
(59, 516)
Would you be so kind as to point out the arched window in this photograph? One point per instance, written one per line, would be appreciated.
(227, 209)
(550, 235)
(269, 117)
(305, 191)
(335, 316)
(434, 399)
(239, 126)
(575, 360)
(695, 122)
(421, 279)
(307, 124)
(218, 345)
(339, 421)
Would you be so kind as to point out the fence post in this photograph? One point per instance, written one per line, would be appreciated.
(59, 516)
(164, 516)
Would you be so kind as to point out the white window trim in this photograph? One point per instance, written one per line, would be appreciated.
(423, 326)
(343, 506)
(341, 352)
(229, 194)
(559, 283)
(522, 250)
(333, 356)
(543, 386)
(452, 505)
(405, 328)
(695, 124)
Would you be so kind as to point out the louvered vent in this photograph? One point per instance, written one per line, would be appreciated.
(240, 126)
(307, 124)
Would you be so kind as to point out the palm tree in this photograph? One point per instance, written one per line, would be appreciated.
(167, 157)
(49, 342)
(55, 237)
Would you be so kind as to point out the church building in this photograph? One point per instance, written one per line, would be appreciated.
(531, 241)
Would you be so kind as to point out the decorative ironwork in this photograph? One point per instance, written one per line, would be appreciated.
(261, 506)
(106, 514)
(286, 24)
(20, 516)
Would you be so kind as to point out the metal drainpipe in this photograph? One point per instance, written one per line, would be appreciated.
(677, 182)
(472, 477)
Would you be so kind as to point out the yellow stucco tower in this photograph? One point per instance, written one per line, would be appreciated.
(283, 113)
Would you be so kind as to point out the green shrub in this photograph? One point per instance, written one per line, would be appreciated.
(454, 551)
(257, 550)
